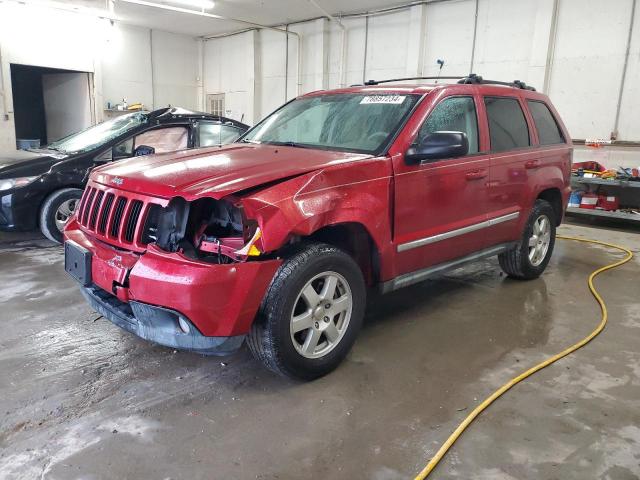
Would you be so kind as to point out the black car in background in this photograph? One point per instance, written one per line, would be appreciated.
(40, 188)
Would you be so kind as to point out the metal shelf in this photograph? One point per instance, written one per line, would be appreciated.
(603, 213)
(609, 183)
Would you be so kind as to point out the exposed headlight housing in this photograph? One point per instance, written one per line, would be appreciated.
(9, 183)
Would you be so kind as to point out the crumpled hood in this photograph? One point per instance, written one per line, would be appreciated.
(216, 171)
(22, 163)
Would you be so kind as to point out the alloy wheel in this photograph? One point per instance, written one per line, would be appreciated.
(321, 315)
(540, 240)
(64, 212)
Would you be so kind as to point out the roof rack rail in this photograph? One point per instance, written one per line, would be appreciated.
(472, 78)
(392, 80)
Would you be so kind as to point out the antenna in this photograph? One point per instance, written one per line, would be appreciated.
(441, 63)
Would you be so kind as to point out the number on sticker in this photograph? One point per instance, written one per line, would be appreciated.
(390, 99)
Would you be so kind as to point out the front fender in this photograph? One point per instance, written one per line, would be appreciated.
(358, 193)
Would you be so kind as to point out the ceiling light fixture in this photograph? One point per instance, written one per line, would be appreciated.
(171, 8)
(203, 4)
(94, 12)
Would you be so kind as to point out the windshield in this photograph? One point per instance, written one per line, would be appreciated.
(360, 122)
(99, 134)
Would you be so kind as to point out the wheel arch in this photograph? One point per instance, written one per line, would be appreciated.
(57, 188)
(355, 240)
(554, 197)
(45, 196)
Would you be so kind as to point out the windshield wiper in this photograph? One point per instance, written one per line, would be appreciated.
(290, 144)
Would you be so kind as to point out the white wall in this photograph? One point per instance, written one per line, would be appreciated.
(630, 114)
(229, 68)
(270, 73)
(119, 56)
(175, 63)
(152, 67)
(512, 42)
(126, 66)
(44, 37)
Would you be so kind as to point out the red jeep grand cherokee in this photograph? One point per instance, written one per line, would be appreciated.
(276, 238)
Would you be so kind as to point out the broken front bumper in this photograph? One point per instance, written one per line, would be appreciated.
(148, 293)
(157, 324)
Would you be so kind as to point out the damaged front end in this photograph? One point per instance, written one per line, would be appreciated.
(175, 272)
(206, 229)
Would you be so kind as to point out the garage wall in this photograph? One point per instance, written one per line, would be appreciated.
(512, 41)
(155, 68)
(47, 43)
(587, 68)
(175, 63)
(229, 68)
(126, 66)
(629, 125)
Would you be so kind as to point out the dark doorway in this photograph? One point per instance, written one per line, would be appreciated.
(49, 103)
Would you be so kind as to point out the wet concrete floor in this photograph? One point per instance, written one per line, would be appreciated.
(81, 399)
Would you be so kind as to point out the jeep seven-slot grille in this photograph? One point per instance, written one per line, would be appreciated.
(136, 208)
(87, 205)
(116, 216)
(102, 226)
(94, 211)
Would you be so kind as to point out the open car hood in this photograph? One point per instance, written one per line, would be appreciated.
(215, 172)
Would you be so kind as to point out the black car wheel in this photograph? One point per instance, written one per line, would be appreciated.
(56, 210)
(529, 259)
(311, 313)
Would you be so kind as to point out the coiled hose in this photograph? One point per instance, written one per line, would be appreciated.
(515, 380)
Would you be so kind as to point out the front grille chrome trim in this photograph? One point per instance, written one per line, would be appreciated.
(116, 217)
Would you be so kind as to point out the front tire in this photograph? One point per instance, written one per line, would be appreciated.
(56, 210)
(530, 258)
(311, 313)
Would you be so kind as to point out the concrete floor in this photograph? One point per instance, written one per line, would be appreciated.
(80, 399)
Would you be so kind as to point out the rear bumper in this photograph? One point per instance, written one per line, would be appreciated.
(157, 324)
(155, 287)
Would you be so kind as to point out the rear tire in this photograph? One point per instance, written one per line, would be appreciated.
(56, 209)
(530, 258)
(311, 313)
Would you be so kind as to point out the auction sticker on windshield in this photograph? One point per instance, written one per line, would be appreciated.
(391, 99)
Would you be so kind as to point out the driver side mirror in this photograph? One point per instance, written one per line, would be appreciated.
(142, 150)
(438, 146)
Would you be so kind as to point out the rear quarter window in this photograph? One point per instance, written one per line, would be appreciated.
(507, 125)
(548, 131)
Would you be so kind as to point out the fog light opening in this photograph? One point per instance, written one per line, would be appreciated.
(184, 325)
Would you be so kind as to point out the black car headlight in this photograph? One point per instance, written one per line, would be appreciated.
(9, 183)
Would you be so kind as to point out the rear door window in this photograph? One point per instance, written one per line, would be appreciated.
(453, 114)
(548, 131)
(507, 124)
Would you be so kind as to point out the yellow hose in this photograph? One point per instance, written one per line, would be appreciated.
(490, 399)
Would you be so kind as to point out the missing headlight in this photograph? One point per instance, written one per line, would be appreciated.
(205, 229)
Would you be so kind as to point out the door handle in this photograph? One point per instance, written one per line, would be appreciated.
(476, 175)
(532, 164)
